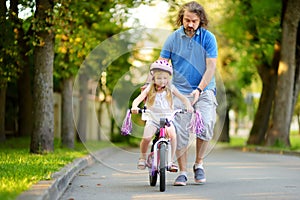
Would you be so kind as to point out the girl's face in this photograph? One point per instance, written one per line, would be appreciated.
(161, 79)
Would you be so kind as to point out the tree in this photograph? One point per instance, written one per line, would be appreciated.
(297, 80)
(23, 63)
(43, 129)
(252, 39)
(266, 65)
(67, 60)
(268, 74)
(279, 130)
(80, 27)
(297, 113)
(3, 11)
(9, 57)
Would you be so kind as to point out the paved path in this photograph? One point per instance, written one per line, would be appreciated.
(231, 174)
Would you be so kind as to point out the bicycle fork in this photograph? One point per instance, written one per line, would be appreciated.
(156, 151)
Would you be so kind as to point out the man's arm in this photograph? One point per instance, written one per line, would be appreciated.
(211, 65)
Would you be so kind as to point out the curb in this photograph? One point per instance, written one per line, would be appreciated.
(53, 189)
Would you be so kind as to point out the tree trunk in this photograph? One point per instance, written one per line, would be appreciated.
(297, 72)
(67, 132)
(2, 113)
(83, 107)
(43, 128)
(278, 132)
(99, 115)
(112, 130)
(25, 99)
(3, 10)
(224, 137)
(25, 121)
(268, 75)
(298, 120)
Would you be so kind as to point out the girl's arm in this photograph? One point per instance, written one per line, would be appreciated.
(136, 102)
(183, 98)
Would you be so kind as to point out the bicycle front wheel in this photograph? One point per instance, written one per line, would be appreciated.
(162, 167)
(152, 171)
(152, 177)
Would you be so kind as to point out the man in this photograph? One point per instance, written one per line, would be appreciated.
(193, 51)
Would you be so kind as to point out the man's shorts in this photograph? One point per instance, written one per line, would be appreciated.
(207, 105)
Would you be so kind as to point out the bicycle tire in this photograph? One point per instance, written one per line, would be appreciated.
(152, 174)
(162, 167)
(152, 177)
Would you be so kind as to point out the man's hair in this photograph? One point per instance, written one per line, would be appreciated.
(193, 7)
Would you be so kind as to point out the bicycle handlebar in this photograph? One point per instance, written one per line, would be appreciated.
(144, 110)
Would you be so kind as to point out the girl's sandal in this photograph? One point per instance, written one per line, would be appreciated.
(141, 163)
(173, 168)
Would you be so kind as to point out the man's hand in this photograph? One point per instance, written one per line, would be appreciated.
(196, 94)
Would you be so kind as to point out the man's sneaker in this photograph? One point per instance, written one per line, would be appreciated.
(199, 175)
(180, 180)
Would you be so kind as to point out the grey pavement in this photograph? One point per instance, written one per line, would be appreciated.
(231, 174)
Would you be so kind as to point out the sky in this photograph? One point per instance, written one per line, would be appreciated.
(151, 16)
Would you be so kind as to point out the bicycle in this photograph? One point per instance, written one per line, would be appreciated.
(159, 159)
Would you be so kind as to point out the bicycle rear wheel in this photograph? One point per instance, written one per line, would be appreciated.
(162, 167)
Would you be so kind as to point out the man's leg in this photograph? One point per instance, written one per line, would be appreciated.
(201, 146)
(182, 159)
(199, 175)
(182, 163)
(207, 107)
(182, 131)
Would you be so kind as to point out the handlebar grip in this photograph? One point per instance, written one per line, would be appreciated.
(185, 111)
(141, 110)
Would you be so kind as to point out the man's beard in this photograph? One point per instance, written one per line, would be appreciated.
(189, 31)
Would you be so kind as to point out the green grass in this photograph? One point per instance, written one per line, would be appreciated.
(295, 140)
(236, 141)
(19, 169)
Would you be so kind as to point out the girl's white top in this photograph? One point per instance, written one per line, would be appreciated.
(160, 108)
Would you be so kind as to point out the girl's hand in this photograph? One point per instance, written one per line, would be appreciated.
(134, 110)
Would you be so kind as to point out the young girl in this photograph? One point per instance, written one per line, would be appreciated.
(159, 102)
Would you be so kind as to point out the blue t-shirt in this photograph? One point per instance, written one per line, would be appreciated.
(188, 57)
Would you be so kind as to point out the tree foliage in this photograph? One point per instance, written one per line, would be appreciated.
(80, 27)
(256, 41)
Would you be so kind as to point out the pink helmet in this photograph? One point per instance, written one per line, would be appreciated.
(162, 65)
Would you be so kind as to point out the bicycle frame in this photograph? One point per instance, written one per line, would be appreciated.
(162, 138)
